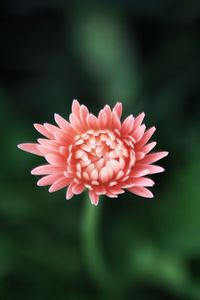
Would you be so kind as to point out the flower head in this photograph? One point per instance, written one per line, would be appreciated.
(99, 154)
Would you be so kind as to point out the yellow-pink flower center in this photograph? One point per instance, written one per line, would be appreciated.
(100, 157)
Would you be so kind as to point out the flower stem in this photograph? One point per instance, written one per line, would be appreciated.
(93, 254)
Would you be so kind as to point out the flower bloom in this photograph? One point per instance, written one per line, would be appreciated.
(100, 153)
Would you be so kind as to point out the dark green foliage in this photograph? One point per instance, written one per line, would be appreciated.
(146, 54)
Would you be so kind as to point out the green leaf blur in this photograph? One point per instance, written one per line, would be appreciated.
(145, 54)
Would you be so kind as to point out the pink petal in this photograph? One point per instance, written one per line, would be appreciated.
(41, 129)
(64, 125)
(127, 125)
(31, 148)
(70, 193)
(100, 190)
(49, 179)
(92, 122)
(45, 170)
(153, 157)
(102, 119)
(108, 113)
(59, 184)
(139, 119)
(118, 109)
(147, 135)
(63, 138)
(78, 189)
(155, 169)
(147, 148)
(56, 160)
(83, 115)
(142, 181)
(138, 133)
(76, 124)
(103, 175)
(51, 128)
(49, 144)
(94, 198)
(138, 172)
(76, 108)
(116, 124)
(141, 191)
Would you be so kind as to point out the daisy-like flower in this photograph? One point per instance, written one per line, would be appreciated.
(99, 154)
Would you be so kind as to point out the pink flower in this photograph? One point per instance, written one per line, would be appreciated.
(100, 153)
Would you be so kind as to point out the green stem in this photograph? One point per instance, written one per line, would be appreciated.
(93, 254)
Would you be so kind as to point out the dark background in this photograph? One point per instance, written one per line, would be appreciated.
(147, 55)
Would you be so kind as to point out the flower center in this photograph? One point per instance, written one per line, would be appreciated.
(100, 157)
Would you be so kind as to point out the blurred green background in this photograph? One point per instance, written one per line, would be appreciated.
(145, 54)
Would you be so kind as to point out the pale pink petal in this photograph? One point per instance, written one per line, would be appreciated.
(41, 129)
(155, 169)
(108, 113)
(78, 189)
(70, 193)
(127, 125)
(83, 115)
(56, 160)
(153, 157)
(103, 175)
(46, 169)
(147, 135)
(49, 179)
(76, 124)
(94, 198)
(143, 181)
(76, 108)
(147, 148)
(59, 184)
(138, 172)
(138, 133)
(51, 128)
(92, 122)
(31, 148)
(102, 117)
(141, 191)
(139, 119)
(116, 124)
(118, 109)
(64, 125)
(49, 144)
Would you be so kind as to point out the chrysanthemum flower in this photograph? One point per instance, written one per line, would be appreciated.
(99, 154)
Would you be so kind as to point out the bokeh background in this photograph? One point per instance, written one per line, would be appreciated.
(145, 54)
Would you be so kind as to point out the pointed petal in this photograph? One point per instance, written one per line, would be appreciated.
(147, 148)
(142, 181)
(139, 119)
(41, 129)
(64, 125)
(92, 122)
(78, 189)
(118, 109)
(141, 191)
(153, 157)
(49, 179)
(76, 108)
(94, 198)
(147, 135)
(127, 125)
(83, 116)
(46, 169)
(59, 184)
(70, 193)
(31, 148)
(56, 160)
